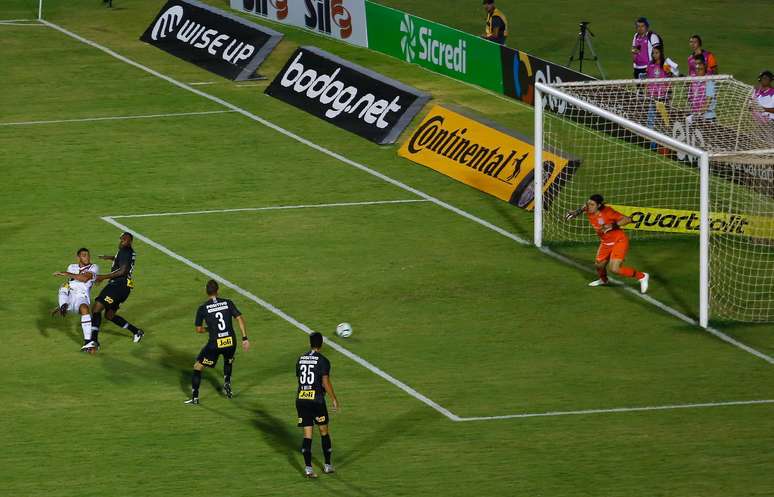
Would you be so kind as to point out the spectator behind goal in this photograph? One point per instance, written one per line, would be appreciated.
(642, 47)
(696, 49)
(764, 96)
(702, 95)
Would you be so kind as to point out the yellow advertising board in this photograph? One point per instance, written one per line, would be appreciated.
(484, 156)
(681, 221)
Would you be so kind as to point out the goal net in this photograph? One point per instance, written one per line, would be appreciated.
(642, 144)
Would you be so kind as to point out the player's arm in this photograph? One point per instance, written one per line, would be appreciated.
(618, 223)
(328, 386)
(245, 342)
(82, 277)
(199, 320)
(573, 214)
(123, 270)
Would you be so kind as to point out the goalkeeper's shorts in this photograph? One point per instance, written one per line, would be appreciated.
(613, 250)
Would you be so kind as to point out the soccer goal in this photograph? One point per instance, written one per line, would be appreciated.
(685, 158)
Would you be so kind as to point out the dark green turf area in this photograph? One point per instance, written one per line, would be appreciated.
(480, 324)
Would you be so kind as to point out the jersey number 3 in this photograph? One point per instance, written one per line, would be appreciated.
(221, 322)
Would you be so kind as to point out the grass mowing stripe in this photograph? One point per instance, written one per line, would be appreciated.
(272, 208)
(118, 118)
(364, 168)
(290, 319)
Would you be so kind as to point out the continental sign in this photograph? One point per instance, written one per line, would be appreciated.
(679, 221)
(491, 159)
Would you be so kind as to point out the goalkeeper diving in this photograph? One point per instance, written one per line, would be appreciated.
(613, 245)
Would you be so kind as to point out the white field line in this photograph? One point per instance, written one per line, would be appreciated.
(272, 208)
(620, 409)
(341, 158)
(17, 20)
(118, 118)
(202, 83)
(13, 23)
(283, 315)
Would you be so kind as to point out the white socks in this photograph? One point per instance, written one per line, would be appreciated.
(86, 326)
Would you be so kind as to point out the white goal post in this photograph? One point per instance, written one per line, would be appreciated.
(542, 91)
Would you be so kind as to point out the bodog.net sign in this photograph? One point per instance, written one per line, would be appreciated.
(681, 221)
(493, 160)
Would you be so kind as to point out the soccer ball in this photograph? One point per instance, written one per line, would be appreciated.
(344, 330)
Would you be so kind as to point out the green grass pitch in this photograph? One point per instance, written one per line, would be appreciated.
(479, 324)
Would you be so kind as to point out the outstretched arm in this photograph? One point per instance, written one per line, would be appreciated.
(122, 271)
(82, 277)
(573, 214)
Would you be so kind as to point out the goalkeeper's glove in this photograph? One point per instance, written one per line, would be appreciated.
(573, 214)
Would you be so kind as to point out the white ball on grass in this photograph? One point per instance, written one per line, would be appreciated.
(344, 330)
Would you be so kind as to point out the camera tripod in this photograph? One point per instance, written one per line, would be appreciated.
(579, 51)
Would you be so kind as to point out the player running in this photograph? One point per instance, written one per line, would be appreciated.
(614, 244)
(313, 373)
(115, 292)
(74, 294)
(218, 314)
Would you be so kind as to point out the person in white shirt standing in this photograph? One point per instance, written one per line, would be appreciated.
(74, 294)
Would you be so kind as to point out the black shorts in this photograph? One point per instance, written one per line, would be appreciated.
(311, 413)
(210, 353)
(113, 295)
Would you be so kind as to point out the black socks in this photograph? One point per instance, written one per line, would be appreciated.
(195, 382)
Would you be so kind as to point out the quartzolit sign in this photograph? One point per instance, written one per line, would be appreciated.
(347, 95)
(210, 38)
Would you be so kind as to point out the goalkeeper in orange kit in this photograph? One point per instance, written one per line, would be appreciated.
(614, 244)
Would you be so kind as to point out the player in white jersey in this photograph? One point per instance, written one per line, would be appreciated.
(74, 294)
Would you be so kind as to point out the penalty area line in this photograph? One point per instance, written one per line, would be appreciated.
(286, 317)
(372, 172)
(273, 208)
(620, 409)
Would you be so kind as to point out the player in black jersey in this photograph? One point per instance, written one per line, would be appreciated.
(115, 292)
(313, 373)
(218, 314)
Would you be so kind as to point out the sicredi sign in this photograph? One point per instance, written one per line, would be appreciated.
(341, 19)
(210, 38)
(434, 46)
(347, 95)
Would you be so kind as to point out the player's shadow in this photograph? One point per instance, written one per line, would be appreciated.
(403, 424)
(181, 362)
(47, 323)
(278, 435)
